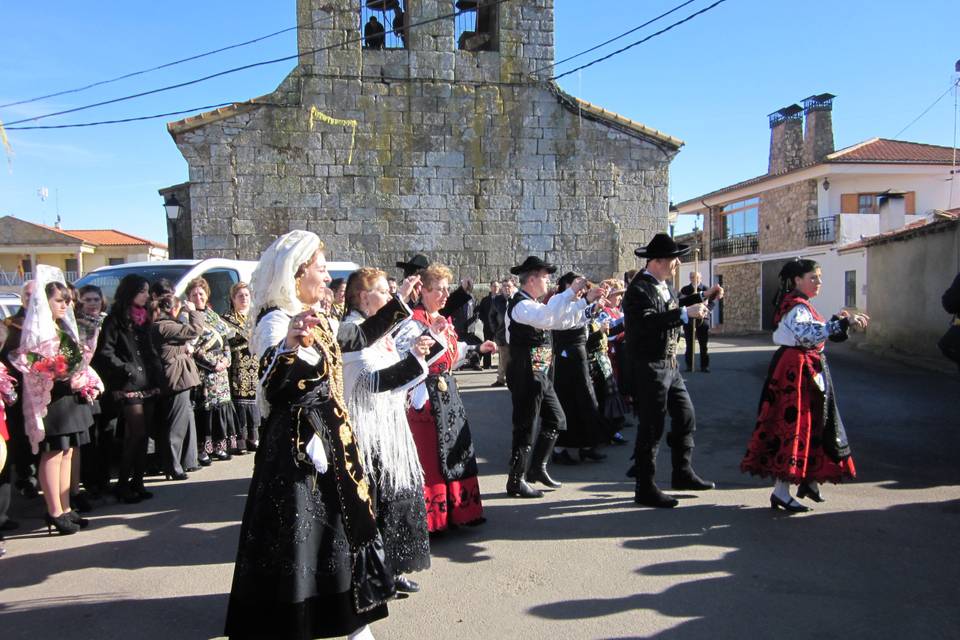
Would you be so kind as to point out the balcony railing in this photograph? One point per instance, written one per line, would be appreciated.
(822, 230)
(16, 279)
(734, 245)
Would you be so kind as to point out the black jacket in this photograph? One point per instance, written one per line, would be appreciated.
(652, 325)
(483, 310)
(126, 358)
(498, 323)
(687, 290)
(951, 297)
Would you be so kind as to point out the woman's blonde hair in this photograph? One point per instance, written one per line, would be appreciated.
(363, 279)
(434, 274)
(198, 282)
(236, 289)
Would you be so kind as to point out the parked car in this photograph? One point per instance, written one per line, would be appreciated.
(9, 304)
(220, 274)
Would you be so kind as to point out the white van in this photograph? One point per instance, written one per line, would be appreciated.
(220, 274)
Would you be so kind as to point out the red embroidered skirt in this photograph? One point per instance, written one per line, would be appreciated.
(786, 442)
(448, 501)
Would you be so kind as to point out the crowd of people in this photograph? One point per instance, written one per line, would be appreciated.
(345, 391)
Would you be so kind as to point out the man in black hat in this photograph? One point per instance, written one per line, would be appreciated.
(653, 315)
(528, 324)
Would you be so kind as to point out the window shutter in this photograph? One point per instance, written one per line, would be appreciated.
(910, 203)
(849, 203)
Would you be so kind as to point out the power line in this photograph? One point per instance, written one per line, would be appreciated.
(614, 39)
(242, 68)
(157, 68)
(925, 111)
(639, 42)
(94, 124)
(330, 76)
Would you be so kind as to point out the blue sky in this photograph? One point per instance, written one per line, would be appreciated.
(710, 82)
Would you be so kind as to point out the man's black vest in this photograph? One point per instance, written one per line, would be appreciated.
(523, 336)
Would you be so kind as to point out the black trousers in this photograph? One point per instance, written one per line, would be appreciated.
(703, 336)
(178, 433)
(533, 396)
(97, 456)
(660, 391)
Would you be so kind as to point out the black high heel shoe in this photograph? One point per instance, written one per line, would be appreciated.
(806, 491)
(176, 476)
(792, 506)
(204, 460)
(63, 524)
(75, 518)
(221, 455)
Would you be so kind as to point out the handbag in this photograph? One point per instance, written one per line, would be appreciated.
(373, 582)
(949, 343)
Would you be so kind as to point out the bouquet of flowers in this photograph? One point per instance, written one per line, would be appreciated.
(50, 352)
(8, 392)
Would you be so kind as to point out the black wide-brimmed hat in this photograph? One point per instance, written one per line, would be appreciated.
(533, 263)
(662, 246)
(413, 265)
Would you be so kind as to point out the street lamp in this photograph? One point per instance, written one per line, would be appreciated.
(172, 207)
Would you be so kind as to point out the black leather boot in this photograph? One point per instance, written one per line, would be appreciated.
(541, 454)
(684, 478)
(516, 485)
(646, 492)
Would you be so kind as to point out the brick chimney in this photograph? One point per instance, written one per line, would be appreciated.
(818, 130)
(786, 139)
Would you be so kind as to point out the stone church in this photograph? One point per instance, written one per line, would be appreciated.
(456, 145)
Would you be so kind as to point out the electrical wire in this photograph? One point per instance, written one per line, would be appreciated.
(639, 42)
(614, 39)
(159, 67)
(135, 119)
(925, 111)
(238, 69)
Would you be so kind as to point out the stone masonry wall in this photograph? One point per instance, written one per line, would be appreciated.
(783, 216)
(741, 297)
(463, 156)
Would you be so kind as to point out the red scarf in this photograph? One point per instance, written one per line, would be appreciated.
(138, 315)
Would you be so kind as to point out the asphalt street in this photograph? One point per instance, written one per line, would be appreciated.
(877, 560)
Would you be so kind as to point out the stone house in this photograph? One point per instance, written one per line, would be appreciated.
(456, 146)
(811, 202)
(25, 244)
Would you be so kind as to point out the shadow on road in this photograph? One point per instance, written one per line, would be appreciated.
(793, 572)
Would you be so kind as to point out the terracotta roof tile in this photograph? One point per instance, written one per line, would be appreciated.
(110, 238)
(883, 150)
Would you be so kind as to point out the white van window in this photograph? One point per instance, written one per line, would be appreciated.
(220, 281)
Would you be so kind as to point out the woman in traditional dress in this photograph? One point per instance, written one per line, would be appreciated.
(216, 418)
(376, 380)
(606, 331)
(243, 369)
(799, 437)
(586, 427)
(310, 561)
(438, 420)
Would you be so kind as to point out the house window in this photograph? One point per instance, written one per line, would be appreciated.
(740, 218)
(850, 288)
(475, 28)
(71, 266)
(377, 18)
(867, 203)
(115, 261)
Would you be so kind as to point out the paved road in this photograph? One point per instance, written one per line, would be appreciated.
(878, 560)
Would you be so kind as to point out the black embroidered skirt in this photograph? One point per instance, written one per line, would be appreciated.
(292, 579)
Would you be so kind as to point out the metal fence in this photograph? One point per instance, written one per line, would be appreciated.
(734, 245)
(822, 230)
